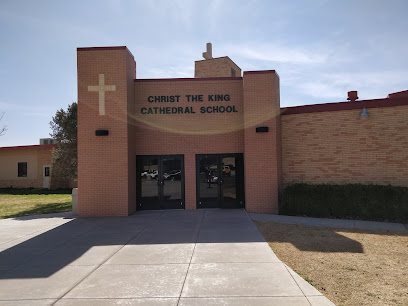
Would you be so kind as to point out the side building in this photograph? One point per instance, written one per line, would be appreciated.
(30, 167)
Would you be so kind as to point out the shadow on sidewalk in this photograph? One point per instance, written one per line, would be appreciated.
(94, 240)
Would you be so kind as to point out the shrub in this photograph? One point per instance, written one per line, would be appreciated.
(26, 191)
(356, 201)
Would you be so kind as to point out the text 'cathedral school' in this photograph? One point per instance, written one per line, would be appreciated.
(188, 109)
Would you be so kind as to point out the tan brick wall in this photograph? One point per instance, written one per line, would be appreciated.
(189, 134)
(262, 150)
(131, 131)
(216, 67)
(338, 147)
(36, 158)
(103, 166)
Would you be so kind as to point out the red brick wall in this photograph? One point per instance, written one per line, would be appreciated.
(262, 152)
(339, 147)
(189, 134)
(103, 167)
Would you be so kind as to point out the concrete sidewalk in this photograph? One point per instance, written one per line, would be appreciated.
(333, 223)
(201, 257)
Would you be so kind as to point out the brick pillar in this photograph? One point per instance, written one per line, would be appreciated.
(105, 163)
(190, 180)
(262, 151)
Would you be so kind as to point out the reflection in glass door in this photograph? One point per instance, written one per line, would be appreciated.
(229, 184)
(220, 181)
(160, 182)
(171, 182)
(209, 181)
(149, 184)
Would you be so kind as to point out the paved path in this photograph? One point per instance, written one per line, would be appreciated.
(201, 257)
(334, 223)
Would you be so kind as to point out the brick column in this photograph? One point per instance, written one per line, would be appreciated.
(105, 163)
(262, 151)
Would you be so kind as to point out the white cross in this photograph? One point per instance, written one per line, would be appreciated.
(101, 88)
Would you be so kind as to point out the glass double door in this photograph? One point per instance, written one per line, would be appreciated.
(220, 181)
(160, 182)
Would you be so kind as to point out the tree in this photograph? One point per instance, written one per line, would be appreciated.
(64, 131)
(3, 128)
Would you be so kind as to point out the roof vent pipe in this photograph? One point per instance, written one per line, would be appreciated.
(352, 96)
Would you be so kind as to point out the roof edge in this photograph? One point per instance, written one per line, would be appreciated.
(338, 106)
(190, 79)
(112, 48)
(44, 146)
(260, 72)
(101, 48)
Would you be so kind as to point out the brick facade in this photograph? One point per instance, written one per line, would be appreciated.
(262, 157)
(190, 134)
(216, 67)
(104, 168)
(339, 147)
(314, 144)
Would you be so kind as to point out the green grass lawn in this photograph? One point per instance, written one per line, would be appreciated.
(25, 202)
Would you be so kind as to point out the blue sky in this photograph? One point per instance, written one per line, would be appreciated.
(321, 49)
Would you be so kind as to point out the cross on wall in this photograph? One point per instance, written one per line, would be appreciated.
(101, 88)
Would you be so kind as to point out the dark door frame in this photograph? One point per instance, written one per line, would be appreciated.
(160, 180)
(240, 182)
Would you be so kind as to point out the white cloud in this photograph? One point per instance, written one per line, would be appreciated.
(172, 72)
(373, 85)
(283, 54)
(180, 10)
(278, 52)
(115, 5)
(321, 90)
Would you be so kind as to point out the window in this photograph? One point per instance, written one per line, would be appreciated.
(46, 171)
(22, 169)
(233, 73)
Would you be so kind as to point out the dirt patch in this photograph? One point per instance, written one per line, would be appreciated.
(350, 267)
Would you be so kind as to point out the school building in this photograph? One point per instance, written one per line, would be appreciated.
(220, 139)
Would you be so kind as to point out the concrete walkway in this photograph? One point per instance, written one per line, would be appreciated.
(201, 257)
(333, 223)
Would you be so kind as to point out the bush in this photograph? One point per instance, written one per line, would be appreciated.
(354, 201)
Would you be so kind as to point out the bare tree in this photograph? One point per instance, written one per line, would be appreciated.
(3, 128)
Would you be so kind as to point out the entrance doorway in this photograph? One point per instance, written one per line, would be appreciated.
(220, 181)
(160, 182)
